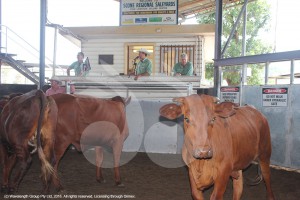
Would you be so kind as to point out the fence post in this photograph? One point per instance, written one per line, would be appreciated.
(189, 89)
(267, 73)
(292, 78)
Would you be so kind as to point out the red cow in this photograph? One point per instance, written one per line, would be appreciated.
(84, 120)
(20, 119)
(6, 99)
(221, 140)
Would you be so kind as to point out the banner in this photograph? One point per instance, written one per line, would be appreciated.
(148, 12)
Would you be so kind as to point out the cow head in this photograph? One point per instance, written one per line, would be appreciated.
(199, 112)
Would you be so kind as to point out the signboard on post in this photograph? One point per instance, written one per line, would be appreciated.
(275, 97)
(148, 12)
(230, 94)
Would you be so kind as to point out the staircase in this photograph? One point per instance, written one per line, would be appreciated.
(19, 66)
(13, 44)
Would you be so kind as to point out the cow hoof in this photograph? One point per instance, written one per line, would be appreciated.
(4, 189)
(7, 190)
(62, 192)
(11, 190)
(101, 180)
(120, 185)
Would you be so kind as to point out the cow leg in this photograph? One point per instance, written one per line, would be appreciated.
(99, 160)
(196, 194)
(266, 173)
(7, 162)
(117, 149)
(238, 186)
(220, 185)
(25, 160)
(60, 148)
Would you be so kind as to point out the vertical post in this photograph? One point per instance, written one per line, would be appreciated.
(0, 26)
(189, 89)
(292, 78)
(244, 71)
(244, 68)
(54, 51)
(267, 73)
(0, 39)
(218, 36)
(42, 42)
(0, 71)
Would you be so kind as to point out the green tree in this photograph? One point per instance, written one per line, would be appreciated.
(258, 19)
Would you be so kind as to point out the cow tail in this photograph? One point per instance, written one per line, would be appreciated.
(47, 168)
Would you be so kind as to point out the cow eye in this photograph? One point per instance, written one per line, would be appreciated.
(187, 120)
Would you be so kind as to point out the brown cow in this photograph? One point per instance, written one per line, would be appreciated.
(6, 99)
(20, 119)
(85, 120)
(221, 140)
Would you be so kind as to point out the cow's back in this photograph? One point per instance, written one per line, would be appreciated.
(76, 112)
(241, 137)
(22, 113)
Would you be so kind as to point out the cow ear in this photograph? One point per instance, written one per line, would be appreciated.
(225, 109)
(179, 99)
(170, 111)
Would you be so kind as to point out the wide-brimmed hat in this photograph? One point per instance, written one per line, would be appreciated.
(144, 51)
(183, 55)
(54, 78)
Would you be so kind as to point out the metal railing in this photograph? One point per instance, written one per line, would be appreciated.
(160, 90)
(146, 85)
(14, 43)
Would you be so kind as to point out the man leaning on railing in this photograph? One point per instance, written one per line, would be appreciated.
(80, 67)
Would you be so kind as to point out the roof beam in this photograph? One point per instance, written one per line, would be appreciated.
(263, 58)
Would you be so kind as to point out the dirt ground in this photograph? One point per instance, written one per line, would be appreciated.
(143, 180)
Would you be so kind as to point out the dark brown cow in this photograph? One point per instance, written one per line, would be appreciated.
(84, 120)
(221, 140)
(6, 99)
(21, 118)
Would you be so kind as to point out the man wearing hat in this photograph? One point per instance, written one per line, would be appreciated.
(184, 67)
(144, 67)
(56, 87)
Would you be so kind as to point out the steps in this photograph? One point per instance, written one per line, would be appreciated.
(19, 66)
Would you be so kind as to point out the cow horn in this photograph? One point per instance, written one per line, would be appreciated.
(127, 100)
(217, 100)
(178, 99)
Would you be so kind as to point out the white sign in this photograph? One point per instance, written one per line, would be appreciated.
(276, 97)
(230, 94)
(148, 12)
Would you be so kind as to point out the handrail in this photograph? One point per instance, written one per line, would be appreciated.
(7, 28)
(23, 40)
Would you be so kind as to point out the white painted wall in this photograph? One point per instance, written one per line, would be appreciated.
(116, 46)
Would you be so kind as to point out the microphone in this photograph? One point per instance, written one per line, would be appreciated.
(134, 63)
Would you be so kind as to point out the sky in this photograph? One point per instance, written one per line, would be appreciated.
(25, 21)
(23, 17)
(288, 20)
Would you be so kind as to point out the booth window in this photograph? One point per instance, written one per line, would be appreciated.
(133, 52)
(106, 59)
(170, 55)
